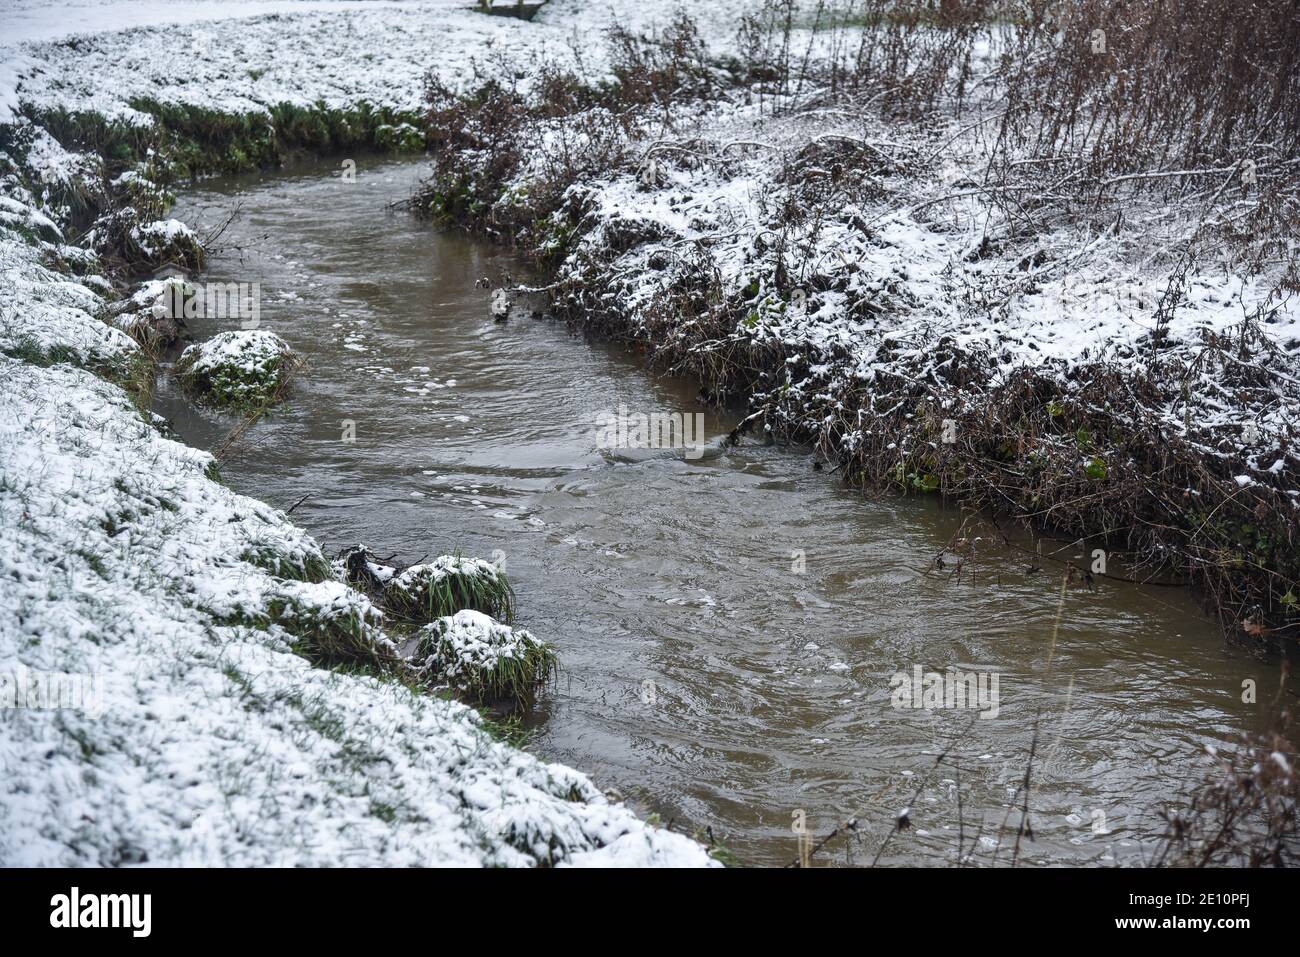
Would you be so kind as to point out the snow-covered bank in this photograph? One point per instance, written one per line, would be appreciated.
(1062, 357)
(198, 735)
(213, 743)
(796, 257)
(250, 55)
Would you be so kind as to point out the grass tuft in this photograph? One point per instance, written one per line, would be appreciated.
(238, 370)
(447, 585)
(484, 658)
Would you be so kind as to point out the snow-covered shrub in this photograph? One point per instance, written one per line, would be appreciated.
(168, 242)
(245, 368)
(138, 189)
(145, 246)
(450, 584)
(18, 213)
(484, 658)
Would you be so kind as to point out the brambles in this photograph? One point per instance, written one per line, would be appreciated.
(945, 214)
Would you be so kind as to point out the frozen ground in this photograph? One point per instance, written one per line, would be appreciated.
(250, 54)
(136, 589)
(211, 743)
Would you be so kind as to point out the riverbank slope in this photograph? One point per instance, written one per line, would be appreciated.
(155, 708)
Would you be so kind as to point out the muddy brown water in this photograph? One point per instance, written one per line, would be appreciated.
(709, 675)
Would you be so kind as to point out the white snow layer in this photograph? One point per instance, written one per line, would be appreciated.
(210, 743)
(184, 735)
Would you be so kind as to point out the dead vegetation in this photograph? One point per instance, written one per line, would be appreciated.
(1169, 136)
(1244, 811)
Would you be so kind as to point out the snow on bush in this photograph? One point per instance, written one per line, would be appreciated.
(166, 242)
(447, 585)
(820, 263)
(484, 658)
(146, 316)
(245, 368)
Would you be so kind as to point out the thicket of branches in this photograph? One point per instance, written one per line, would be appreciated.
(1089, 103)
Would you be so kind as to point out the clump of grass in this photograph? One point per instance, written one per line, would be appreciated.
(508, 729)
(450, 584)
(239, 370)
(399, 138)
(332, 627)
(132, 371)
(30, 350)
(485, 659)
(273, 558)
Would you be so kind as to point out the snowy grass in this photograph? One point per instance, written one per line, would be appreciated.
(485, 659)
(447, 585)
(253, 707)
(215, 742)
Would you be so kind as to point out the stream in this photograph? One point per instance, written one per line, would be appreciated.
(729, 621)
